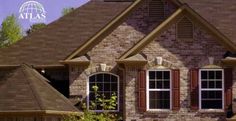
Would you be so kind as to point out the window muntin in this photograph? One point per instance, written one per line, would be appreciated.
(211, 89)
(158, 89)
(107, 84)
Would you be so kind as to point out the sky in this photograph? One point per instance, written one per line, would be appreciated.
(53, 9)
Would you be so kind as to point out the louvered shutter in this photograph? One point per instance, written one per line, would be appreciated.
(194, 88)
(142, 90)
(175, 89)
(185, 29)
(156, 9)
(228, 81)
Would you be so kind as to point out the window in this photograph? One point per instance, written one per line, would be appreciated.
(158, 89)
(211, 89)
(185, 29)
(156, 9)
(107, 84)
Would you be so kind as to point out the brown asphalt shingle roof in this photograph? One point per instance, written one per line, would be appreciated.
(24, 89)
(58, 40)
(219, 13)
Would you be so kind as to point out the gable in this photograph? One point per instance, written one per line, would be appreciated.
(219, 13)
(139, 10)
(183, 11)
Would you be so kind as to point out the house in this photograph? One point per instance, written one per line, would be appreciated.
(165, 59)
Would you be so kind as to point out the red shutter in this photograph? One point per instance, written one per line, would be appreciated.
(175, 89)
(142, 90)
(194, 88)
(228, 81)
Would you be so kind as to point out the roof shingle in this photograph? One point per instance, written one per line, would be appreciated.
(220, 13)
(24, 89)
(56, 41)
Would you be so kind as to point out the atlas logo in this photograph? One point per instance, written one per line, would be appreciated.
(32, 11)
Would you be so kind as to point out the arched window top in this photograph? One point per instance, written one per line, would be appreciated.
(156, 9)
(185, 29)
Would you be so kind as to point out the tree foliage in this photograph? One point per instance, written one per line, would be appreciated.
(67, 10)
(35, 27)
(10, 31)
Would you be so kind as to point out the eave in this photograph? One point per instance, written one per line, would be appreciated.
(229, 61)
(38, 112)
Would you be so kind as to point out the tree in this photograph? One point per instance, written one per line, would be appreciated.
(10, 32)
(35, 27)
(67, 10)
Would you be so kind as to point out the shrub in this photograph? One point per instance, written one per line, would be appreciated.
(90, 115)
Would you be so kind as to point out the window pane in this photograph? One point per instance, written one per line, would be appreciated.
(152, 84)
(100, 86)
(113, 79)
(211, 84)
(159, 85)
(204, 84)
(211, 95)
(211, 104)
(91, 86)
(204, 74)
(218, 84)
(218, 74)
(159, 75)
(114, 87)
(211, 74)
(107, 78)
(166, 75)
(166, 84)
(159, 100)
(92, 79)
(107, 95)
(91, 96)
(151, 74)
(107, 87)
(99, 78)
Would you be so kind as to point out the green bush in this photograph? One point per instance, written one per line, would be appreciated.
(90, 115)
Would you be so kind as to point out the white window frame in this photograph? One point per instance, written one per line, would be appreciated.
(147, 90)
(200, 88)
(118, 93)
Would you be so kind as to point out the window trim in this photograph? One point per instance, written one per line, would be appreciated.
(118, 92)
(147, 90)
(200, 88)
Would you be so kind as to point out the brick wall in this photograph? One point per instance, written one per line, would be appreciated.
(134, 28)
(183, 55)
(176, 53)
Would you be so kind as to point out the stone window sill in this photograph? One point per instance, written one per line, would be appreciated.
(211, 111)
(158, 111)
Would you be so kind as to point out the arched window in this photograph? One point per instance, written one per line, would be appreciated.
(107, 84)
(185, 29)
(156, 10)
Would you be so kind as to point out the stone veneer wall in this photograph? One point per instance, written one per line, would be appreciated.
(134, 28)
(177, 54)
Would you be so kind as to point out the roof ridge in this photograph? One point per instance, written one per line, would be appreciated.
(38, 76)
(35, 94)
(224, 40)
